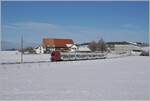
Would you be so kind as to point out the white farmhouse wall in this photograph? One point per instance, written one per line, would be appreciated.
(39, 50)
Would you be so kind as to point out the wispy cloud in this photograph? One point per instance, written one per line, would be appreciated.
(51, 30)
(35, 31)
(130, 26)
(34, 27)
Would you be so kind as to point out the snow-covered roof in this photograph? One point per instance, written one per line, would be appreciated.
(133, 43)
(69, 45)
(83, 48)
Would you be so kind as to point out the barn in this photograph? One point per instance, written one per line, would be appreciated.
(123, 47)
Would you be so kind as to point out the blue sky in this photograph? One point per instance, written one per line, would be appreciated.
(81, 21)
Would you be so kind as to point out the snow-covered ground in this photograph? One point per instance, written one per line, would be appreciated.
(15, 57)
(114, 78)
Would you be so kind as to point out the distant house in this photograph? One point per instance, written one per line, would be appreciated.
(39, 50)
(53, 44)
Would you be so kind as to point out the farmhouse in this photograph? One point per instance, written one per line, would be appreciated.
(53, 44)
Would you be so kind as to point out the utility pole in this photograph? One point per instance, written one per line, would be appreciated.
(0, 31)
(21, 48)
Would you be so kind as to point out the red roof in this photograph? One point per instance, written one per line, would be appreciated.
(57, 42)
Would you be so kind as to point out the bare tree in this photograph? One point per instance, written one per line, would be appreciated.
(98, 46)
(93, 46)
(101, 45)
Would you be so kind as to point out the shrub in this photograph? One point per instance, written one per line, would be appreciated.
(144, 53)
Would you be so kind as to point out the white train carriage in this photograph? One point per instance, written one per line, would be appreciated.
(82, 55)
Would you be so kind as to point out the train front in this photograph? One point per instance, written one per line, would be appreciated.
(55, 56)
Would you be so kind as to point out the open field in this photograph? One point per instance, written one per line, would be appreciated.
(119, 78)
(15, 57)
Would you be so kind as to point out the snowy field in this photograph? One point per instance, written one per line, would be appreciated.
(15, 57)
(125, 78)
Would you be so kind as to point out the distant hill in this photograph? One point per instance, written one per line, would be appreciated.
(118, 42)
(142, 44)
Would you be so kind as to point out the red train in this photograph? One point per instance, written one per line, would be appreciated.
(68, 56)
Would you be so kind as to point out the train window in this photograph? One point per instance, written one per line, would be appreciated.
(136, 50)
